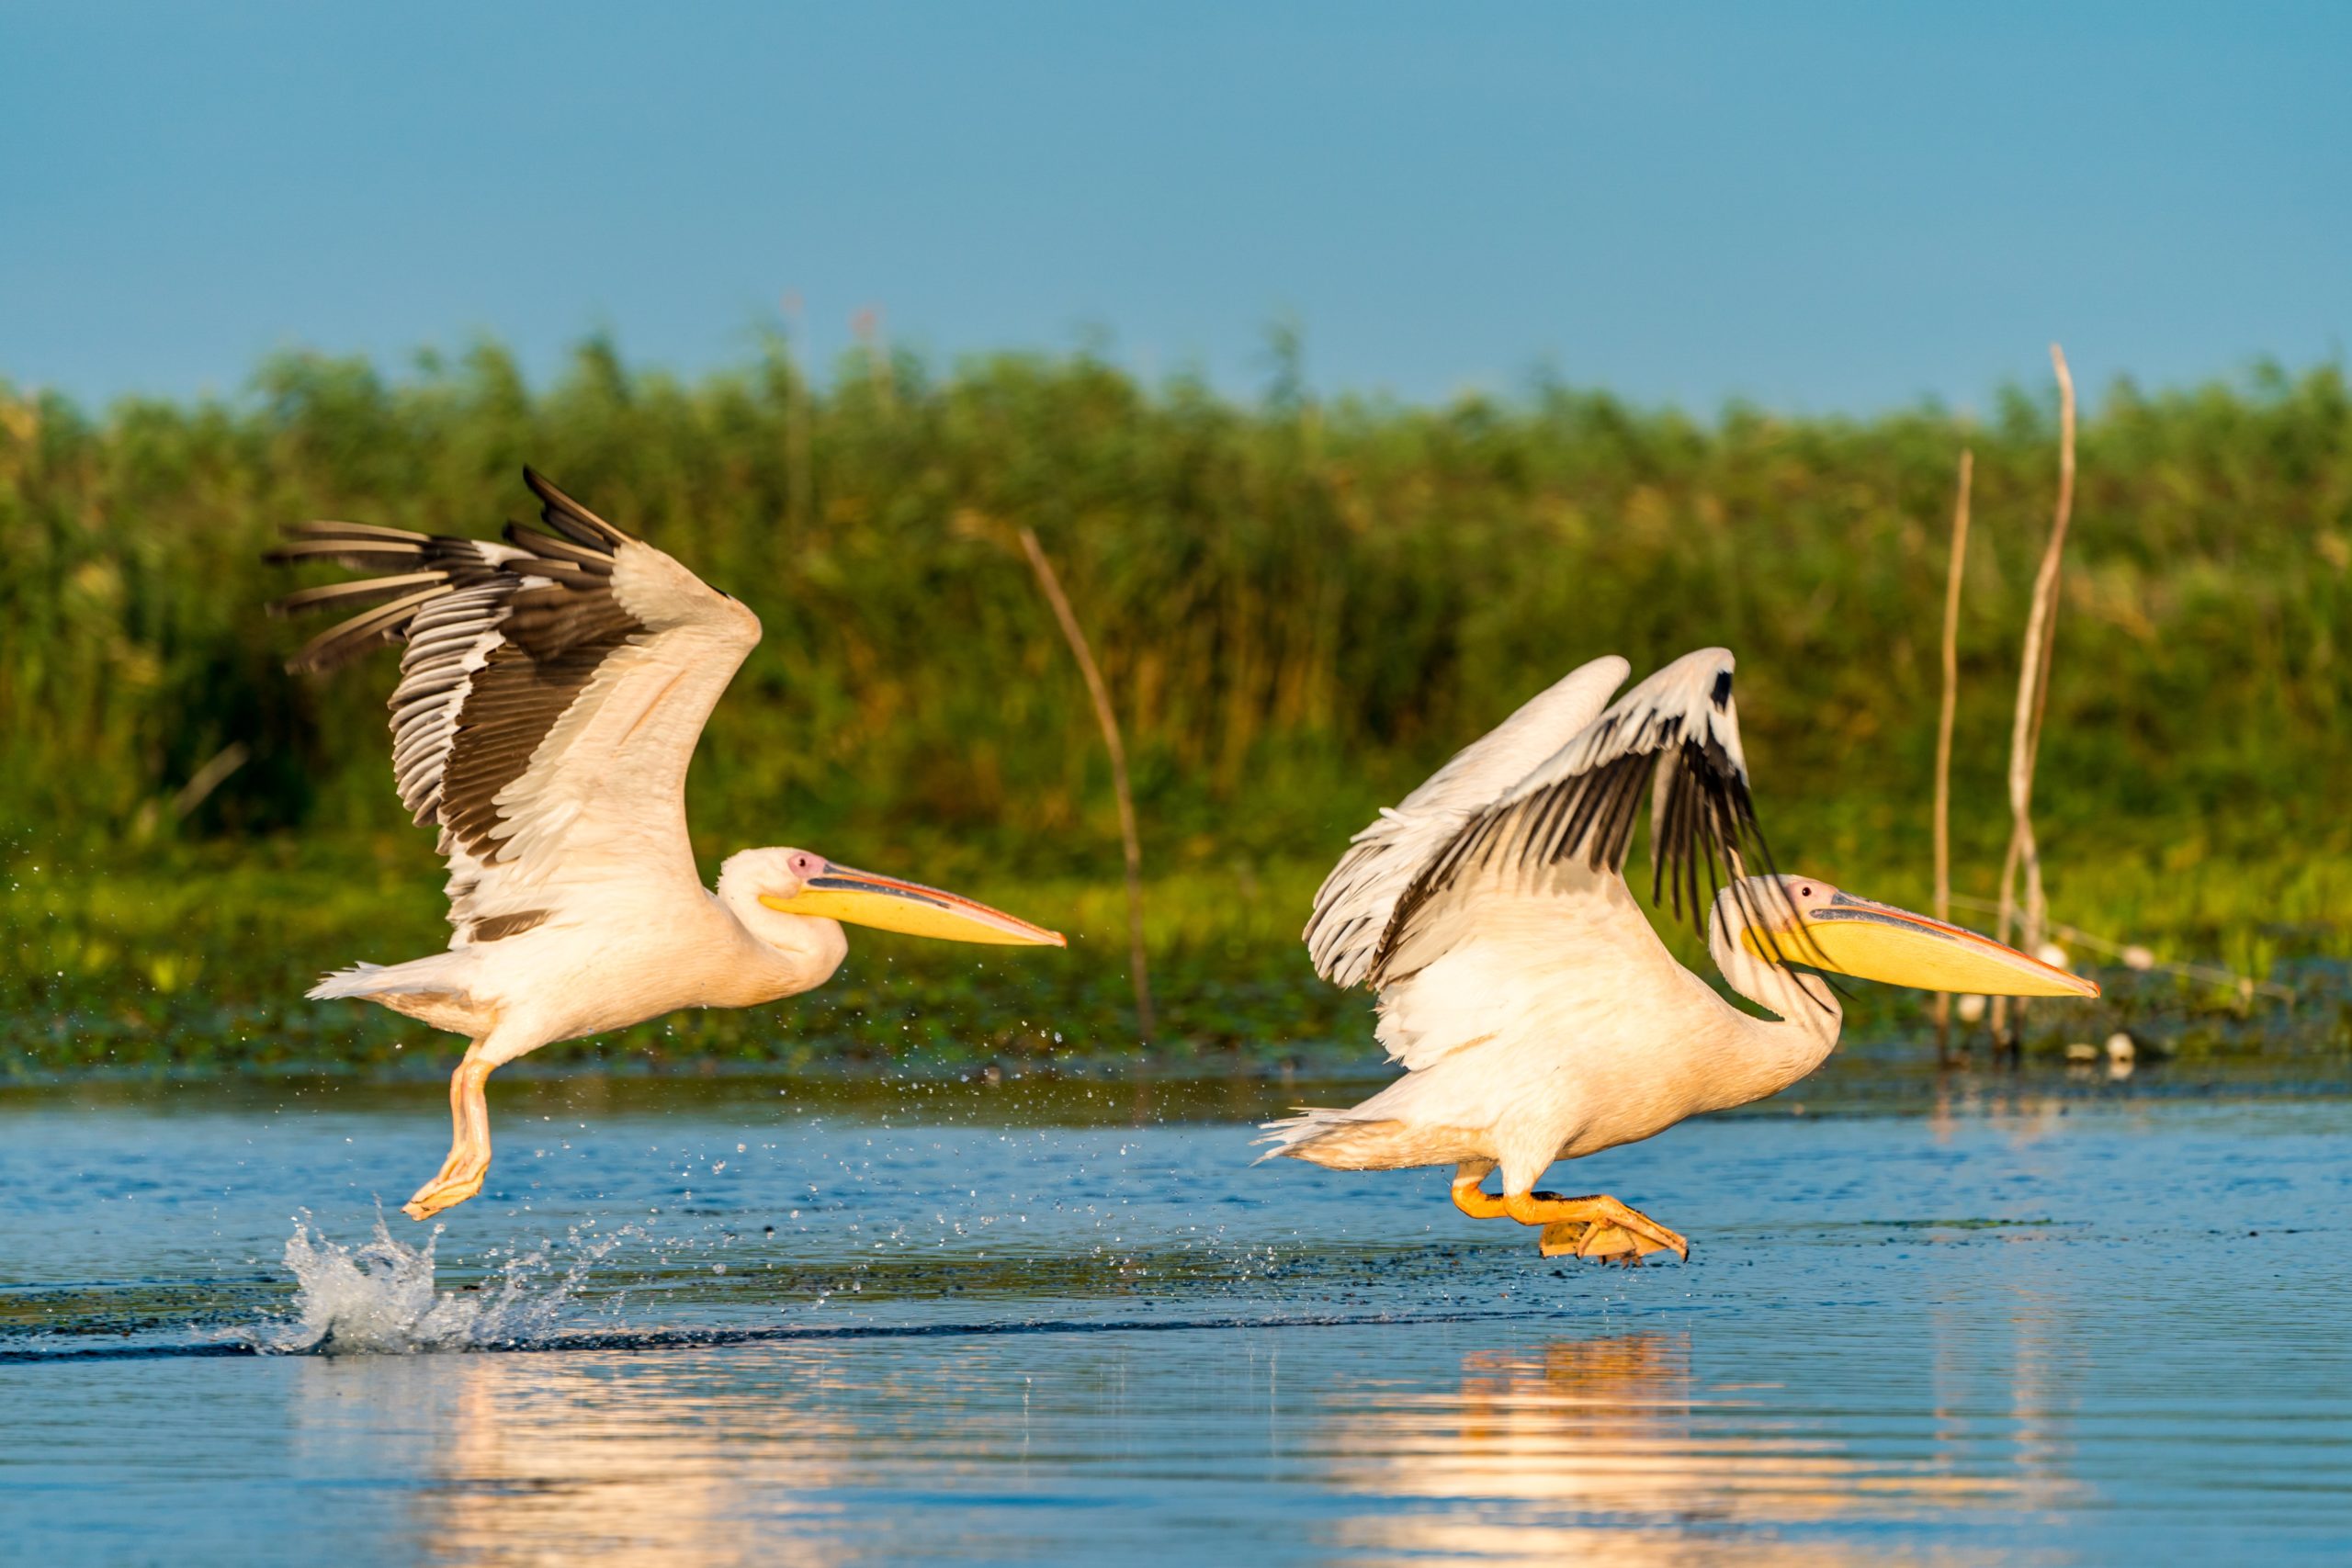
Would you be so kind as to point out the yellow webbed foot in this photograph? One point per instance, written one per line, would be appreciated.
(1594, 1227)
(469, 1162)
(456, 1182)
(1581, 1238)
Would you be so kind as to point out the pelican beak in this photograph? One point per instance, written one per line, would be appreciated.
(884, 903)
(1879, 942)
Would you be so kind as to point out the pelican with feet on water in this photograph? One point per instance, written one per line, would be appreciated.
(552, 690)
(1536, 1013)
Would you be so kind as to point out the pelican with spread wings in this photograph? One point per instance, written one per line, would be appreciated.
(552, 690)
(1536, 1013)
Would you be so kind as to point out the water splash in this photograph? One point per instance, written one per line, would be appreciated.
(379, 1297)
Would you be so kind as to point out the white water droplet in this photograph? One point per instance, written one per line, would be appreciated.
(379, 1297)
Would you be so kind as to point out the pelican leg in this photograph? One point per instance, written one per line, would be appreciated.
(1472, 1198)
(1594, 1227)
(469, 1162)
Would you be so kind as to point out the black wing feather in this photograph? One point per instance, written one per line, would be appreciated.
(1703, 816)
(502, 639)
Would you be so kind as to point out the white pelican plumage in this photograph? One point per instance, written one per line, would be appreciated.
(551, 693)
(1536, 1013)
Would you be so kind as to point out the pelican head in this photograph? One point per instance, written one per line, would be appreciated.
(801, 882)
(1804, 921)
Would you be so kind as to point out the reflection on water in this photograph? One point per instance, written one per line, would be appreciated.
(1609, 1450)
(541, 1460)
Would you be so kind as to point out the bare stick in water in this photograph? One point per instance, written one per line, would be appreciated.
(1943, 732)
(2033, 699)
(1109, 720)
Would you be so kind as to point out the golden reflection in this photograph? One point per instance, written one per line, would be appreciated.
(583, 1460)
(1603, 1450)
(1610, 1451)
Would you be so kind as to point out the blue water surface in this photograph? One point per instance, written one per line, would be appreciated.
(747, 1321)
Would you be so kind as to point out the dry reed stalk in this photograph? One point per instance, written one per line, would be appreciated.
(1943, 731)
(210, 777)
(2033, 700)
(1109, 720)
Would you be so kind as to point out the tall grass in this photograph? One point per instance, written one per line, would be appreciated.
(1301, 607)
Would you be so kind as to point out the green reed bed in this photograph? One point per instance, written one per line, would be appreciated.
(1300, 607)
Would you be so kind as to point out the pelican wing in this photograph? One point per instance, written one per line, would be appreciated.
(1571, 820)
(552, 690)
(1353, 906)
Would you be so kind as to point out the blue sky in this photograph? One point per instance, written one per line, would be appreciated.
(1811, 207)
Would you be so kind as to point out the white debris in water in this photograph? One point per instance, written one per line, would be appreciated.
(379, 1298)
(2120, 1054)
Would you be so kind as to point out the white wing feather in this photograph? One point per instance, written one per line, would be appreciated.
(1353, 906)
(602, 807)
(553, 690)
(1544, 861)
